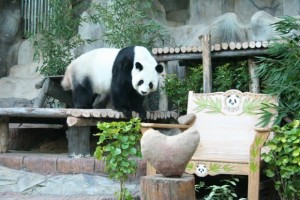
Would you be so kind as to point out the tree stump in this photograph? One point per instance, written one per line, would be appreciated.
(78, 141)
(158, 187)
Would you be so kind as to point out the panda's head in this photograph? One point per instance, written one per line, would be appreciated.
(146, 72)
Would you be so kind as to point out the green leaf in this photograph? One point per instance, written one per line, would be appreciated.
(133, 150)
(125, 146)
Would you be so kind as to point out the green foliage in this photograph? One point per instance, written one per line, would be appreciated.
(177, 89)
(231, 76)
(280, 71)
(225, 191)
(225, 77)
(127, 24)
(118, 145)
(283, 160)
(54, 43)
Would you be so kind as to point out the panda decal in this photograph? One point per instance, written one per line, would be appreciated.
(126, 75)
(201, 170)
(233, 101)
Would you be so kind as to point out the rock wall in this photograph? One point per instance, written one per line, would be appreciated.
(10, 34)
(225, 20)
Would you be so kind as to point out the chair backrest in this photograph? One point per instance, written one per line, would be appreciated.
(226, 122)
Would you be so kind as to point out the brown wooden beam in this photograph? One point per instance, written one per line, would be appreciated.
(214, 54)
(206, 61)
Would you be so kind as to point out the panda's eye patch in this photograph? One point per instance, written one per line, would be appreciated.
(140, 82)
(150, 85)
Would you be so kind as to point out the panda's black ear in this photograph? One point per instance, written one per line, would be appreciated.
(159, 68)
(139, 66)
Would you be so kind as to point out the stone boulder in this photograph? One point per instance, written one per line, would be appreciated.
(169, 155)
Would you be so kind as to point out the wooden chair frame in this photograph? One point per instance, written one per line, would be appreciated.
(226, 160)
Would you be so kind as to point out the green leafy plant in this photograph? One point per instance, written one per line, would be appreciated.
(220, 192)
(225, 191)
(231, 76)
(283, 160)
(177, 89)
(227, 76)
(54, 43)
(118, 146)
(127, 23)
(279, 72)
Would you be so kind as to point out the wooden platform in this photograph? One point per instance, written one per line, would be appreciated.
(77, 121)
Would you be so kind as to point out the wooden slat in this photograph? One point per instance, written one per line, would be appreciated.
(252, 44)
(258, 44)
(224, 46)
(183, 49)
(172, 50)
(245, 45)
(217, 47)
(265, 44)
(160, 50)
(188, 49)
(154, 51)
(156, 125)
(166, 50)
(238, 45)
(199, 48)
(194, 49)
(232, 45)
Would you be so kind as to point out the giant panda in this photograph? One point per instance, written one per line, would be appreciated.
(126, 75)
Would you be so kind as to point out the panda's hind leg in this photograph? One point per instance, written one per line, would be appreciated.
(83, 96)
(101, 101)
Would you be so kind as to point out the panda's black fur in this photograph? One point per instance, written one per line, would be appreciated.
(114, 78)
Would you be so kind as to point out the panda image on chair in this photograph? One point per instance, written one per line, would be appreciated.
(126, 75)
(233, 101)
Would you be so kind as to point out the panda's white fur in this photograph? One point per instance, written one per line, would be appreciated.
(96, 64)
(95, 69)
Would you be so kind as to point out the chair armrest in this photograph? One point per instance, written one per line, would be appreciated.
(262, 130)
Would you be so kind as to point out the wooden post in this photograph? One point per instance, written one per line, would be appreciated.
(163, 99)
(254, 84)
(78, 141)
(4, 135)
(206, 61)
(157, 187)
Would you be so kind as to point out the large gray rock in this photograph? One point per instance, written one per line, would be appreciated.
(25, 53)
(228, 28)
(18, 87)
(169, 155)
(260, 26)
(10, 20)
